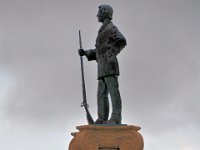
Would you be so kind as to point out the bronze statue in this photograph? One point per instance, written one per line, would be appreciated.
(109, 44)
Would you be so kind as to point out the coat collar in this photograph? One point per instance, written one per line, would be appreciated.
(104, 25)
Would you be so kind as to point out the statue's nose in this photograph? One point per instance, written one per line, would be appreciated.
(98, 14)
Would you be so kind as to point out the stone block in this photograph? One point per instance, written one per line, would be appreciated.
(96, 137)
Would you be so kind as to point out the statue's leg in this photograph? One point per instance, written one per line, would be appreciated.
(102, 101)
(113, 88)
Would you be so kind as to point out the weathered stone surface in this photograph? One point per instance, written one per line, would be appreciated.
(92, 137)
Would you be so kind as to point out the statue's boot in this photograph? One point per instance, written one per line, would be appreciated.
(115, 119)
(102, 116)
(99, 121)
(112, 121)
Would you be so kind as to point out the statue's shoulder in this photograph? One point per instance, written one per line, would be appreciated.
(111, 25)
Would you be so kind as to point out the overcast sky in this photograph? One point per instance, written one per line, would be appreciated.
(40, 81)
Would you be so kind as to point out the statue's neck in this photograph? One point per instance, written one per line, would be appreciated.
(106, 21)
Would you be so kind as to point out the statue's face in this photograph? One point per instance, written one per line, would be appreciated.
(102, 14)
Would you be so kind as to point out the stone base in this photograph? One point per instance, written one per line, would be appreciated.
(96, 137)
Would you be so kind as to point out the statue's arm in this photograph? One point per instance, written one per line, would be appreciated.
(119, 40)
(90, 54)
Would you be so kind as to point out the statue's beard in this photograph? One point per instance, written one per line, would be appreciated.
(102, 17)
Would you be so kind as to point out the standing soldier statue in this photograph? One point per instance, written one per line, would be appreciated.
(109, 44)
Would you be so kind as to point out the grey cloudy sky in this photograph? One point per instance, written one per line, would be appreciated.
(40, 83)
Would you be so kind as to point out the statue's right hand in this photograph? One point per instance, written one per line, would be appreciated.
(81, 52)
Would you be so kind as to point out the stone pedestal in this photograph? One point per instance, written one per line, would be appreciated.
(96, 137)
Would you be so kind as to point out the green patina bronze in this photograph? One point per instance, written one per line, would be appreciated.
(109, 44)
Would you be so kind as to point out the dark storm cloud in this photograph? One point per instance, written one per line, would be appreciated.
(40, 70)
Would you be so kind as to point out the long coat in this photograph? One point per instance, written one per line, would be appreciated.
(109, 43)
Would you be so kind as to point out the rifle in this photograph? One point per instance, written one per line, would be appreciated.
(84, 103)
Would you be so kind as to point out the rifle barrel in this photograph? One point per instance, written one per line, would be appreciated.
(84, 103)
